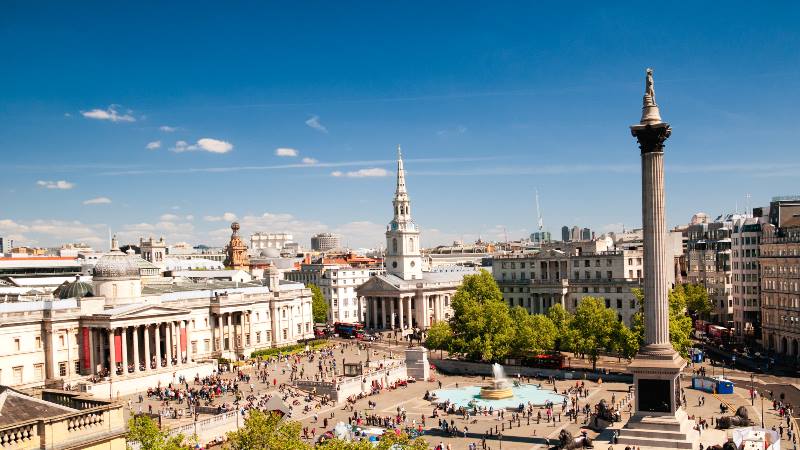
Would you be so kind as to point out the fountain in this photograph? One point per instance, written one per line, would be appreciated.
(499, 387)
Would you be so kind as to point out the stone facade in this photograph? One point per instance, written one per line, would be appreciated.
(780, 289)
(338, 284)
(129, 332)
(565, 273)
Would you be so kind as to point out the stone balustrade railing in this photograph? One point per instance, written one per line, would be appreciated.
(18, 435)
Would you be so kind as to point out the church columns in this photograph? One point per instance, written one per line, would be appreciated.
(136, 357)
(168, 346)
(400, 302)
(124, 334)
(374, 308)
(185, 328)
(112, 354)
(228, 333)
(92, 361)
(157, 343)
(384, 311)
(146, 336)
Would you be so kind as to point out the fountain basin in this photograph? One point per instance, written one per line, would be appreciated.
(468, 396)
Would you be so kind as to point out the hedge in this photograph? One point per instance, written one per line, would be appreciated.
(289, 349)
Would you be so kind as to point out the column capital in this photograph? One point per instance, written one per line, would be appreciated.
(651, 138)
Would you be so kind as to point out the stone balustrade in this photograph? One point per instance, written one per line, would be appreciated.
(19, 435)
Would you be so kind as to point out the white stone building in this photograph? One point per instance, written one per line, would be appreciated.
(262, 240)
(405, 297)
(564, 273)
(339, 284)
(746, 292)
(117, 335)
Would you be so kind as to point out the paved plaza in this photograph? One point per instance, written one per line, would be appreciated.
(510, 432)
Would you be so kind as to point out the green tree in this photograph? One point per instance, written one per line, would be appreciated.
(439, 336)
(145, 432)
(532, 332)
(680, 325)
(389, 441)
(481, 323)
(266, 431)
(562, 320)
(624, 341)
(592, 328)
(319, 307)
(697, 300)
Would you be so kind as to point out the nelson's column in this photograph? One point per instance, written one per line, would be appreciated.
(659, 420)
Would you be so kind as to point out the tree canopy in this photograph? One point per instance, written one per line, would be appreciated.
(697, 300)
(143, 431)
(268, 431)
(592, 327)
(319, 307)
(481, 323)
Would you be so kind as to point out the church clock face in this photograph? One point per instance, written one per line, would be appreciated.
(413, 263)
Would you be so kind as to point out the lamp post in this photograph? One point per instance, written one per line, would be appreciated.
(752, 391)
(762, 411)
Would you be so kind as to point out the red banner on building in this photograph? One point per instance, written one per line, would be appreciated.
(118, 349)
(86, 349)
(183, 339)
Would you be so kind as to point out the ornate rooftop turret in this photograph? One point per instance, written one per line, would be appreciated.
(236, 251)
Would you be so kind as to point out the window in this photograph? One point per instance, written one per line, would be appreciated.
(609, 275)
(258, 337)
(77, 366)
(207, 345)
(38, 372)
(394, 245)
(16, 345)
(17, 374)
(62, 369)
(194, 347)
(60, 341)
(299, 328)
(284, 313)
(285, 333)
(619, 303)
(608, 303)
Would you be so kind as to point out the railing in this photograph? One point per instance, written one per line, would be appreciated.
(188, 429)
(16, 435)
(85, 421)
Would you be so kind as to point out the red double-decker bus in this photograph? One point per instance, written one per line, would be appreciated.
(349, 330)
(539, 360)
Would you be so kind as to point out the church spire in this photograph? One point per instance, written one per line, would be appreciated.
(401, 173)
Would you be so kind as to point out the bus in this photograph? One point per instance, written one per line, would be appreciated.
(539, 360)
(349, 330)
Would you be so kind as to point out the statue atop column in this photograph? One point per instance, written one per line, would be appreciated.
(650, 112)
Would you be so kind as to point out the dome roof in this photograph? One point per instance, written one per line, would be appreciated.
(116, 265)
(76, 289)
(271, 252)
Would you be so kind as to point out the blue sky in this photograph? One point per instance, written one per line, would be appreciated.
(490, 101)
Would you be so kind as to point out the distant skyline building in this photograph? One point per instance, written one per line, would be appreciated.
(540, 237)
(565, 233)
(325, 241)
(262, 240)
(586, 234)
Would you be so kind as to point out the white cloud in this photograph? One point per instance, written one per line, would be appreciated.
(314, 123)
(67, 114)
(167, 128)
(60, 184)
(97, 201)
(153, 145)
(110, 113)
(286, 152)
(169, 217)
(190, 217)
(458, 129)
(227, 217)
(362, 173)
(205, 144)
(309, 161)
